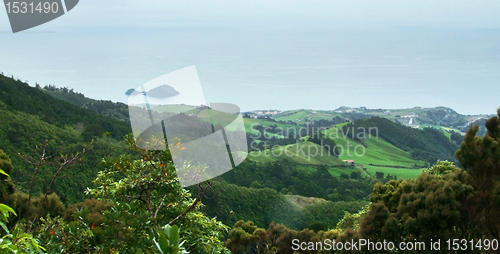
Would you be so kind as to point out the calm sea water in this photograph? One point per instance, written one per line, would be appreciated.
(318, 67)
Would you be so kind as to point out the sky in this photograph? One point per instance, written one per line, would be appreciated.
(273, 54)
(231, 12)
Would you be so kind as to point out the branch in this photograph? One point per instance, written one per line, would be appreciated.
(193, 205)
(158, 208)
(66, 162)
(37, 165)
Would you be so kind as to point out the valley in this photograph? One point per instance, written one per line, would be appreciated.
(300, 165)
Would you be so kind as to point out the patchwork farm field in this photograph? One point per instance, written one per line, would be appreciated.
(376, 155)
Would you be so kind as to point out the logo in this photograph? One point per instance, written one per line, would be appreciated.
(205, 140)
(28, 14)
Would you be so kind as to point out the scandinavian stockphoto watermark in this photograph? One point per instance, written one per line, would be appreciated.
(319, 144)
(205, 140)
(28, 14)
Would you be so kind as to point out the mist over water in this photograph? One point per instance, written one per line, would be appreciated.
(258, 67)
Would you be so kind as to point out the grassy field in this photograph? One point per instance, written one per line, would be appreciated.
(321, 116)
(447, 131)
(302, 153)
(172, 108)
(302, 116)
(399, 172)
(297, 117)
(376, 152)
(252, 121)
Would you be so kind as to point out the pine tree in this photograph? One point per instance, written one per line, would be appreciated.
(480, 157)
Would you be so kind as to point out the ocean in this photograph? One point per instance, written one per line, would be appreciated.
(318, 67)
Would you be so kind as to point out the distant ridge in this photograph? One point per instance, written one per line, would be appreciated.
(416, 117)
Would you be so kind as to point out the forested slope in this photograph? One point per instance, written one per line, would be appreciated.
(30, 118)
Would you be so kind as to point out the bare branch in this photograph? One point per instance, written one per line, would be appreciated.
(38, 164)
(159, 206)
(42, 160)
(62, 165)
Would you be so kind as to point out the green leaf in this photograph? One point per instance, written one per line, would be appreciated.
(167, 230)
(4, 227)
(4, 209)
(174, 234)
(164, 242)
(3, 172)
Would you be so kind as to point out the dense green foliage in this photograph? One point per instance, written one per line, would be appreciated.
(16, 241)
(437, 206)
(30, 119)
(19, 96)
(114, 110)
(445, 202)
(146, 194)
(137, 202)
(430, 208)
(25, 134)
(231, 203)
(288, 178)
(246, 237)
(138, 206)
(6, 185)
(168, 240)
(480, 157)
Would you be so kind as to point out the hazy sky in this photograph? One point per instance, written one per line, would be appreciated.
(228, 12)
(380, 54)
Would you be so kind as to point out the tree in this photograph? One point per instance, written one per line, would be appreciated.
(145, 196)
(444, 202)
(442, 168)
(245, 237)
(58, 162)
(351, 221)
(6, 185)
(433, 207)
(480, 157)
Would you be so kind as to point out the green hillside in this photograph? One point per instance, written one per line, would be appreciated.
(303, 116)
(298, 116)
(22, 133)
(116, 110)
(438, 117)
(17, 95)
(376, 151)
(231, 203)
(224, 119)
(30, 117)
(300, 153)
